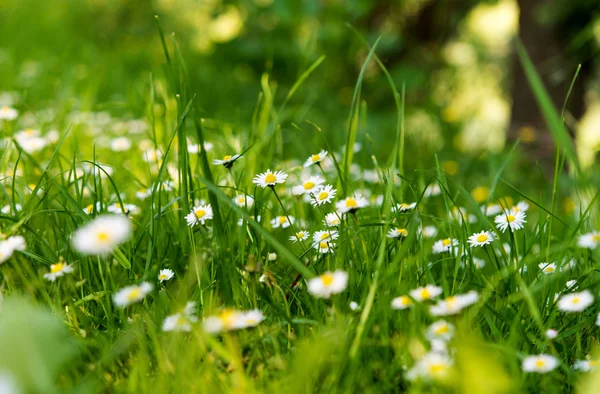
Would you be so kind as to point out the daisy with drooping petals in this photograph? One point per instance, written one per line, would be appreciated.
(541, 363)
(243, 201)
(397, 233)
(589, 240)
(131, 294)
(327, 284)
(425, 293)
(512, 219)
(454, 304)
(227, 161)
(102, 235)
(402, 302)
(444, 245)
(352, 204)
(308, 186)
(230, 319)
(481, 239)
(324, 247)
(586, 365)
(282, 221)
(300, 236)
(57, 270)
(199, 214)
(575, 302)
(165, 275)
(333, 219)
(269, 178)
(323, 196)
(315, 159)
(179, 322)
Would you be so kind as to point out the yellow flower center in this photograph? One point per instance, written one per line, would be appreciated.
(270, 178)
(300, 234)
(402, 231)
(29, 131)
(576, 300)
(282, 219)
(404, 206)
(351, 203)
(102, 236)
(5, 108)
(551, 269)
(335, 221)
(55, 268)
(437, 369)
(89, 208)
(308, 185)
(325, 236)
(227, 317)
(162, 276)
(596, 238)
(540, 363)
(451, 301)
(327, 279)
(226, 158)
(446, 242)
(425, 294)
(404, 300)
(442, 329)
(323, 195)
(482, 238)
(200, 213)
(323, 245)
(241, 200)
(315, 158)
(134, 294)
(510, 218)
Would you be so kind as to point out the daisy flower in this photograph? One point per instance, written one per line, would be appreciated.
(402, 302)
(8, 113)
(454, 304)
(575, 302)
(547, 268)
(126, 209)
(102, 235)
(444, 245)
(425, 293)
(440, 330)
(325, 236)
(432, 190)
(397, 233)
(315, 159)
(308, 186)
(230, 319)
(165, 275)
(429, 231)
(327, 284)
(131, 294)
(323, 196)
(120, 144)
(541, 363)
(324, 247)
(352, 204)
(242, 201)
(481, 239)
(512, 219)
(433, 366)
(403, 207)
(333, 219)
(57, 270)
(300, 236)
(199, 214)
(589, 240)
(227, 161)
(179, 322)
(269, 178)
(282, 221)
(551, 333)
(491, 209)
(142, 194)
(586, 365)
(522, 206)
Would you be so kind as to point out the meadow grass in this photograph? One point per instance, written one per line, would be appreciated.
(68, 333)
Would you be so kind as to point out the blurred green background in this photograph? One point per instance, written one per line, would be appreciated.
(465, 89)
